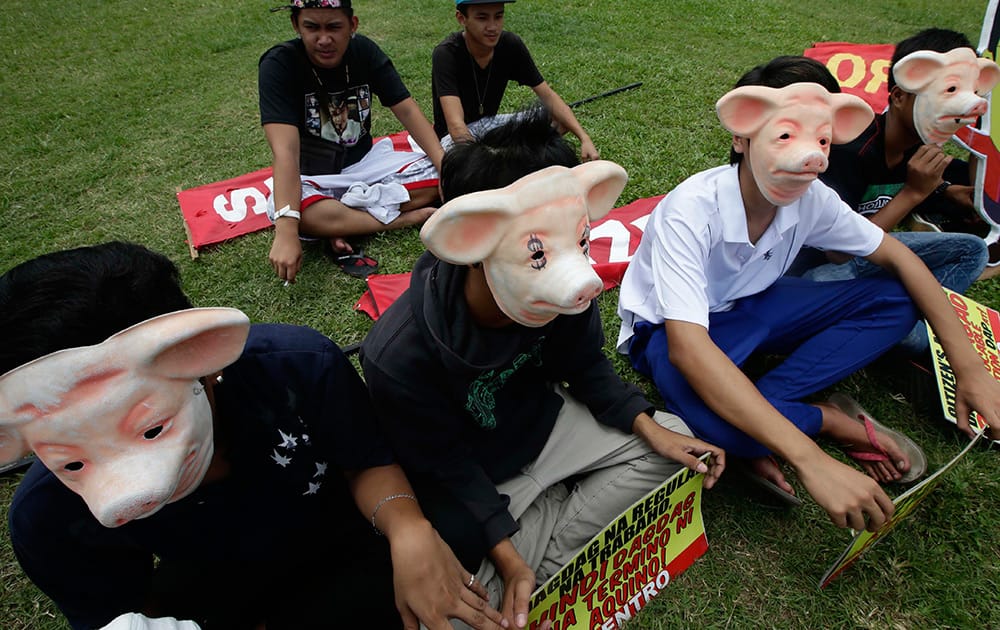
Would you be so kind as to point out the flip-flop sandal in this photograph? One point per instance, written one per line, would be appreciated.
(918, 460)
(748, 473)
(357, 264)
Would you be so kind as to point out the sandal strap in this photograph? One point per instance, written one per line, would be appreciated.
(881, 455)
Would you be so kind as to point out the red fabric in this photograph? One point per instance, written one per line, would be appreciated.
(613, 241)
(234, 207)
(861, 69)
(227, 209)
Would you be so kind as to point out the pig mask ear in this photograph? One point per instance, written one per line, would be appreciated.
(189, 344)
(604, 181)
(744, 110)
(989, 76)
(851, 116)
(916, 70)
(467, 229)
(186, 344)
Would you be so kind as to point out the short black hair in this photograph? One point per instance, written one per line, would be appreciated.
(783, 71)
(936, 39)
(80, 297)
(526, 143)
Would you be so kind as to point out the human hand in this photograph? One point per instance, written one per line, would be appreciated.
(978, 392)
(847, 495)
(519, 582)
(925, 169)
(681, 448)
(588, 152)
(286, 255)
(431, 585)
(962, 196)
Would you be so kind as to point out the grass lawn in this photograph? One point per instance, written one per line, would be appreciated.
(111, 106)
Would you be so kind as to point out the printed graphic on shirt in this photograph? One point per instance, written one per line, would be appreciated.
(344, 122)
(877, 196)
(481, 401)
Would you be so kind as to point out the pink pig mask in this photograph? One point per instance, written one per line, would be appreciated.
(790, 131)
(949, 89)
(125, 424)
(532, 237)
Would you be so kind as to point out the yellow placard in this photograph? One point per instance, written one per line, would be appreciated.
(629, 562)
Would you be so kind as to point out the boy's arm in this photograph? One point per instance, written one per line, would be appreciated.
(846, 494)
(414, 121)
(681, 448)
(565, 119)
(454, 117)
(976, 388)
(430, 583)
(923, 175)
(286, 250)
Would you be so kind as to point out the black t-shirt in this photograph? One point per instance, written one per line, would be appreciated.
(295, 416)
(859, 174)
(288, 91)
(455, 73)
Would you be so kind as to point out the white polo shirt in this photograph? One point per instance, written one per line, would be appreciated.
(696, 258)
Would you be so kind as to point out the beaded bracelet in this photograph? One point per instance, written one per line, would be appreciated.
(382, 502)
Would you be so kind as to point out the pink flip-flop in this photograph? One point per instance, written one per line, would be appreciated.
(918, 460)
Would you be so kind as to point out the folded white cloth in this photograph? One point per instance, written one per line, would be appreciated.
(136, 621)
(382, 201)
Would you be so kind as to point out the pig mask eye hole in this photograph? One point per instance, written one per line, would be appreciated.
(951, 90)
(785, 136)
(823, 142)
(538, 255)
(152, 434)
(73, 467)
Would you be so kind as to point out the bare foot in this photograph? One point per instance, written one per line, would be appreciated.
(340, 246)
(767, 468)
(849, 433)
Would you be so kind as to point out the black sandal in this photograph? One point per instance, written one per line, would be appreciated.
(357, 264)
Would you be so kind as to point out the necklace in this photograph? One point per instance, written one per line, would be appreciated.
(475, 81)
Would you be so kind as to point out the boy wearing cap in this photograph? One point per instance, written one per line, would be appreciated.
(471, 69)
(705, 290)
(315, 93)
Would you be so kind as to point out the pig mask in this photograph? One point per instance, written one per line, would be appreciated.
(125, 424)
(949, 89)
(532, 237)
(790, 131)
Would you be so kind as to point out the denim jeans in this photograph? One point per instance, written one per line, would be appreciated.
(955, 259)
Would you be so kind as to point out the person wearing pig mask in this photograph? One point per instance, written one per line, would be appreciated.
(705, 290)
(488, 374)
(896, 173)
(193, 466)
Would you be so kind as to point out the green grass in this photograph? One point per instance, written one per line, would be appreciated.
(110, 106)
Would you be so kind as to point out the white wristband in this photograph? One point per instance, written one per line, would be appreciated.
(286, 211)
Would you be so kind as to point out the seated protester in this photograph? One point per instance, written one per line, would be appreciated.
(315, 106)
(705, 290)
(896, 171)
(197, 467)
(470, 71)
(488, 374)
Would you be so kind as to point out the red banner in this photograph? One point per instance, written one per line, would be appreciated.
(861, 69)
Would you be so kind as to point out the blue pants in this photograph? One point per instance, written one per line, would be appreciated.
(828, 330)
(955, 259)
